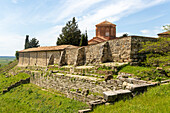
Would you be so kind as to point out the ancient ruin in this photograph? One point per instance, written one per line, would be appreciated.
(108, 49)
(81, 73)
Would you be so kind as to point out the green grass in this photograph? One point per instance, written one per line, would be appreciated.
(7, 81)
(6, 60)
(134, 69)
(29, 98)
(155, 100)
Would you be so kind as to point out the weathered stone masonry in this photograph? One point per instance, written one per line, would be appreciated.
(117, 50)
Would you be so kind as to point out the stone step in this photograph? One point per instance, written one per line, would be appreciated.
(111, 96)
(84, 111)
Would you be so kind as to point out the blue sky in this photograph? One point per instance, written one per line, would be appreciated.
(44, 19)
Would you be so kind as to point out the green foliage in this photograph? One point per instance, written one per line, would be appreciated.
(155, 100)
(145, 73)
(27, 42)
(104, 67)
(124, 35)
(70, 35)
(32, 43)
(158, 53)
(166, 27)
(134, 69)
(6, 80)
(9, 66)
(17, 55)
(30, 98)
(84, 40)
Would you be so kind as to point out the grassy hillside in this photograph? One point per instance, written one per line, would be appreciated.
(30, 98)
(7, 81)
(156, 100)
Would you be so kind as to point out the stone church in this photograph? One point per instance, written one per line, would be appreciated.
(104, 47)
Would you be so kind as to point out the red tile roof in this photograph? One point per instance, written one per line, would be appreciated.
(96, 40)
(105, 23)
(165, 33)
(48, 48)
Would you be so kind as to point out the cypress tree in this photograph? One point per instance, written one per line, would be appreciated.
(27, 42)
(82, 41)
(86, 39)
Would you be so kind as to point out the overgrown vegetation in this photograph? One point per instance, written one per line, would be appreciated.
(6, 80)
(155, 100)
(158, 53)
(146, 73)
(30, 98)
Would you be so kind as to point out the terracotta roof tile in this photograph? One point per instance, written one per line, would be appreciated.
(164, 33)
(48, 48)
(105, 23)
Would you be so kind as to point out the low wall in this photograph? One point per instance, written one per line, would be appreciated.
(75, 85)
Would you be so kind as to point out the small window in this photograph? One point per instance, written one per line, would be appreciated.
(107, 34)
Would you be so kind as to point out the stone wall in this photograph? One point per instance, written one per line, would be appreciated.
(70, 56)
(120, 49)
(136, 42)
(117, 50)
(74, 85)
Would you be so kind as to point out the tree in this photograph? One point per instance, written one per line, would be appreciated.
(27, 42)
(124, 35)
(158, 52)
(166, 27)
(33, 43)
(84, 39)
(17, 55)
(70, 34)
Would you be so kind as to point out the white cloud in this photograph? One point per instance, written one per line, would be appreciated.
(152, 33)
(145, 31)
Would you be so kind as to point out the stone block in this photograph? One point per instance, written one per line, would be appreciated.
(110, 96)
(84, 111)
(123, 94)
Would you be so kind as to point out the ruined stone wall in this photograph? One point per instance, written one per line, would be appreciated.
(70, 56)
(67, 84)
(56, 55)
(120, 49)
(94, 53)
(136, 42)
(117, 50)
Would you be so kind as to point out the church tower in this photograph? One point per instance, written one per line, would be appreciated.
(104, 31)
